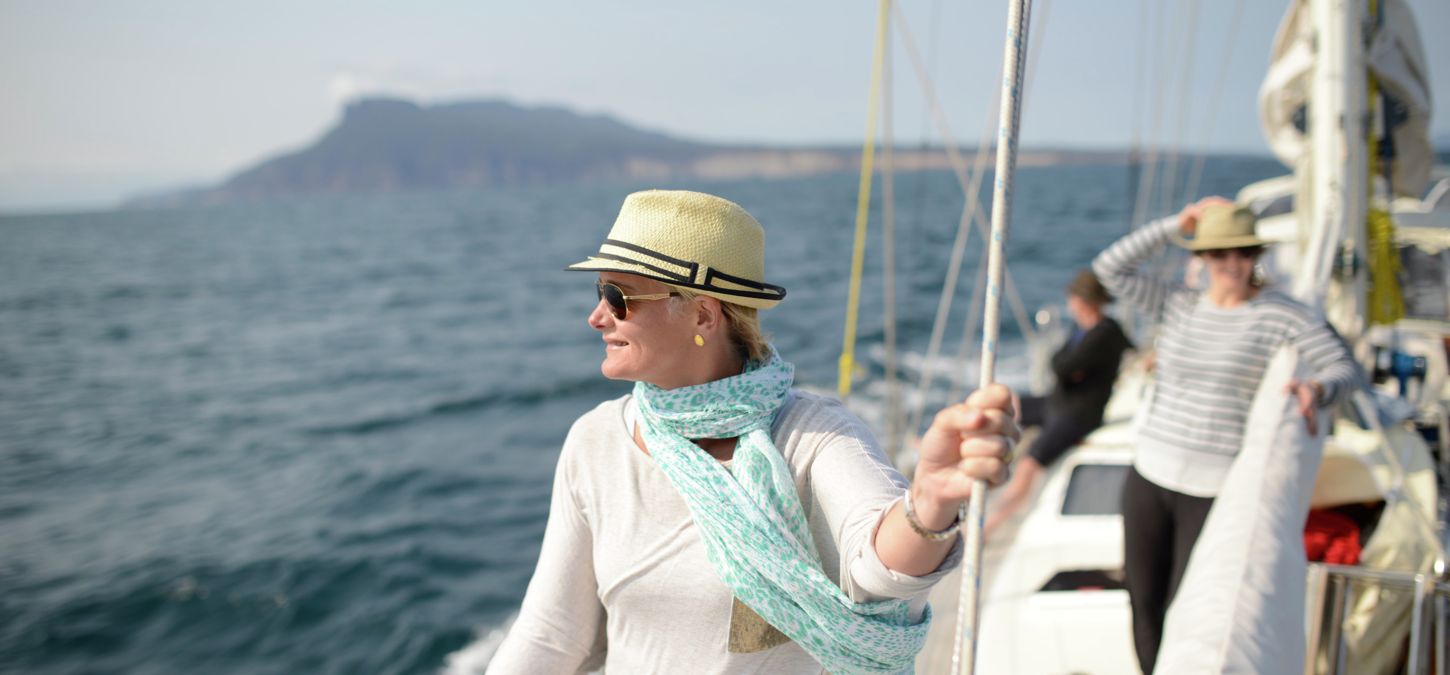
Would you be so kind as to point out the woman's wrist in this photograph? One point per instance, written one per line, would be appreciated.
(932, 513)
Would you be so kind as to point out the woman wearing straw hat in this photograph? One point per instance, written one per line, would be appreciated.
(1213, 348)
(717, 520)
(1086, 366)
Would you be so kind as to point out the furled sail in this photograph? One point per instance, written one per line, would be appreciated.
(1396, 59)
(1240, 606)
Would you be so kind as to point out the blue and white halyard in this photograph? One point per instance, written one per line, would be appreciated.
(1014, 59)
(754, 528)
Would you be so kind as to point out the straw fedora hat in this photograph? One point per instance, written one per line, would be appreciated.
(1223, 226)
(689, 240)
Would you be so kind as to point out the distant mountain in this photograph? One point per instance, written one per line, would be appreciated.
(392, 144)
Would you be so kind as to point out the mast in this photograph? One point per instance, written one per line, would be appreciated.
(1334, 185)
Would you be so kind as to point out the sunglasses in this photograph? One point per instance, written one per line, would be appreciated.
(1241, 252)
(619, 302)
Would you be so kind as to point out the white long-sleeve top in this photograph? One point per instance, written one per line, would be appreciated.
(1209, 364)
(623, 581)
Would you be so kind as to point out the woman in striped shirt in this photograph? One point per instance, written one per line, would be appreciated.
(1213, 347)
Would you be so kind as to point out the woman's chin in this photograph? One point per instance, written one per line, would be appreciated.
(614, 370)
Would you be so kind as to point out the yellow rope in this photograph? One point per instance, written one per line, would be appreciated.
(1386, 302)
(863, 207)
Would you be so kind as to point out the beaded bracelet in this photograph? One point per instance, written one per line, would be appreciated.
(929, 535)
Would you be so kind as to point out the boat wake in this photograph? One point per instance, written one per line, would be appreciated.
(474, 657)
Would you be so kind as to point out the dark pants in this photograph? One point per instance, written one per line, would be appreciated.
(1159, 528)
(1059, 430)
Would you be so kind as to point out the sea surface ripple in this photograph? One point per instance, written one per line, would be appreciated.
(317, 435)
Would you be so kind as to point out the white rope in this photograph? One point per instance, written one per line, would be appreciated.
(964, 653)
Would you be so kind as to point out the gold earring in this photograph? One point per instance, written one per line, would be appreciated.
(699, 341)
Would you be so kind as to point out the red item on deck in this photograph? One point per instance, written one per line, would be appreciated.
(1332, 538)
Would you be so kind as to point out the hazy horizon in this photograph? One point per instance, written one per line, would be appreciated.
(107, 101)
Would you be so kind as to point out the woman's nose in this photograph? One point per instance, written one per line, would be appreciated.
(599, 317)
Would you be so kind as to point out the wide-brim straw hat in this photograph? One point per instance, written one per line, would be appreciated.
(1223, 226)
(1086, 286)
(689, 240)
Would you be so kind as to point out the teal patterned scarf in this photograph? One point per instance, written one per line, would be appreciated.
(753, 526)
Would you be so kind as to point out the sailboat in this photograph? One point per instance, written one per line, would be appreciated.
(1361, 231)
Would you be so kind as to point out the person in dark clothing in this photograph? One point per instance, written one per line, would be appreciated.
(1085, 367)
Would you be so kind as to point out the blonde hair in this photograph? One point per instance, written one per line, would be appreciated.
(743, 324)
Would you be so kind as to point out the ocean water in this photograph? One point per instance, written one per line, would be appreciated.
(317, 435)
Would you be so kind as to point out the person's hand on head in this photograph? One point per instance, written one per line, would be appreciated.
(1189, 216)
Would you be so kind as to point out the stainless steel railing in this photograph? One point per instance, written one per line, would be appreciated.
(1332, 591)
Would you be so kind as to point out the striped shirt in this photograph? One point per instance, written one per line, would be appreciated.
(1209, 364)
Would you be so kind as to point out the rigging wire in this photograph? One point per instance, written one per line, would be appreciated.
(1195, 175)
(931, 49)
(1185, 107)
(1163, 59)
(970, 183)
(1136, 128)
(974, 315)
(1146, 180)
(894, 429)
(888, 255)
(895, 433)
(1147, 188)
(1135, 156)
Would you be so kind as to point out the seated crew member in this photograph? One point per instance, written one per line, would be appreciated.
(1085, 367)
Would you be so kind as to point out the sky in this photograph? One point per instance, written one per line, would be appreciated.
(104, 100)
